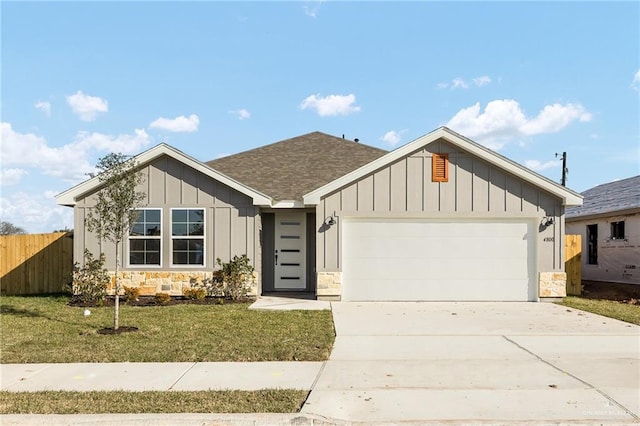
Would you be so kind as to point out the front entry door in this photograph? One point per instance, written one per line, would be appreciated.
(290, 251)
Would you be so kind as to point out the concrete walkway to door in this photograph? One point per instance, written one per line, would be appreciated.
(478, 362)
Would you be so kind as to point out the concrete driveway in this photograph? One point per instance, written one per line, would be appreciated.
(482, 362)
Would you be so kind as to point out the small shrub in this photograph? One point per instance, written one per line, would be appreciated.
(90, 281)
(162, 298)
(194, 293)
(213, 287)
(131, 294)
(237, 275)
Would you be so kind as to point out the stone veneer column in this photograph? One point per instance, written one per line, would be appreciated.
(552, 285)
(329, 286)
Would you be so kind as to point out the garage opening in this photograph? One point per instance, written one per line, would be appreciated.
(414, 260)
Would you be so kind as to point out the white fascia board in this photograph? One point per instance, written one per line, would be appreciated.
(288, 204)
(69, 197)
(570, 198)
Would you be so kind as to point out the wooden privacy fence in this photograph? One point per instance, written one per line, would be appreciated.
(573, 263)
(35, 263)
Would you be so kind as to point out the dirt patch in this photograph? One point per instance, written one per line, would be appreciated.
(151, 301)
(626, 293)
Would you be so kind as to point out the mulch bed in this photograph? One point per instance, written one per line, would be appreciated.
(151, 301)
(625, 293)
(119, 330)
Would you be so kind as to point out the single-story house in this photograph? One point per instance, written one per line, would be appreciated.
(609, 223)
(440, 218)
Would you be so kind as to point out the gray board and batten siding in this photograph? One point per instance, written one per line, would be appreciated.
(476, 190)
(232, 222)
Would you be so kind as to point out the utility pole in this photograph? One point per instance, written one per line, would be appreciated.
(564, 168)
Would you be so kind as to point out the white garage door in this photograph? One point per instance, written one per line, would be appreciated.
(437, 260)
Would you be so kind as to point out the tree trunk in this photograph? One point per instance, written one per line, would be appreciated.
(116, 305)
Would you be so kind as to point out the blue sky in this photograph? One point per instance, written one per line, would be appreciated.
(81, 79)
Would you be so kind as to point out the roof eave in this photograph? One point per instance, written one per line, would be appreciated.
(70, 196)
(621, 212)
(568, 197)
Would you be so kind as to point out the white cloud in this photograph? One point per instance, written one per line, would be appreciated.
(459, 83)
(539, 166)
(635, 84)
(44, 107)
(331, 105)
(503, 120)
(393, 137)
(242, 114)
(312, 11)
(87, 107)
(125, 144)
(70, 162)
(554, 118)
(178, 124)
(10, 177)
(36, 213)
(482, 80)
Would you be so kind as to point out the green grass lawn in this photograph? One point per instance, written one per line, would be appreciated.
(46, 329)
(55, 402)
(608, 308)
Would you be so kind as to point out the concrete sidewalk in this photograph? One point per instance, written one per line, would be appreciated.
(171, 376)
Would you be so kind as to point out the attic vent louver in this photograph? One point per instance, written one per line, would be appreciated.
(440, 168)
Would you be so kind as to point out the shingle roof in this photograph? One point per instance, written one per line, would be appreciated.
(288, 169)
(609, 197)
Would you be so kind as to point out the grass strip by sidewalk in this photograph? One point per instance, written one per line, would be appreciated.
(63, 402)
(608, 308)
(47, 330)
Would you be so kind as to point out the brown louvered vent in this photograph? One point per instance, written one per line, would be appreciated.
(440, 168)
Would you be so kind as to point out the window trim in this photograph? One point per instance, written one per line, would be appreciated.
(186, 237)
(435, 167)
(146, 237)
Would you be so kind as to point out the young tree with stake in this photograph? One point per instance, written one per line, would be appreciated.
(115, 209)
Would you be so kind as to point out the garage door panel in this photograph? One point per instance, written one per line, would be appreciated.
(437, 290)
(465, 260)
(441, 269)
(441, 247)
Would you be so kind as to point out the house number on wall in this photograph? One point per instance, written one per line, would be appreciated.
(549, 239)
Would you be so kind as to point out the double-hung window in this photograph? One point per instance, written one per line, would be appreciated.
(187, 236)
(145, 237)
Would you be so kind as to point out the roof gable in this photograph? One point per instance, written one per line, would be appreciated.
(610, 197)
(70, 196)
(568, 196)
(288, 169)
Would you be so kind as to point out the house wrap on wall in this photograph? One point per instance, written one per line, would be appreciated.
(609, 223)
(440, 218)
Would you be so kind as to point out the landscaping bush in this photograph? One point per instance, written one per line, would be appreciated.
(194, 293)
(90, 281)
(162, 298)
(237, 276)
(232, 281)
(131, 294)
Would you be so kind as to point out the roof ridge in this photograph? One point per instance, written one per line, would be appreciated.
(315, 132)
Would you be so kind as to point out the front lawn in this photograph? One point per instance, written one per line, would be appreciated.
(46, 329)
(608, 308)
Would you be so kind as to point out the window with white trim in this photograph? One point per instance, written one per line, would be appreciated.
(187, 236)
(145, 238)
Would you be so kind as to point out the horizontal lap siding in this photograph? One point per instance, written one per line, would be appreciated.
(476, 189)
(232, 223)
